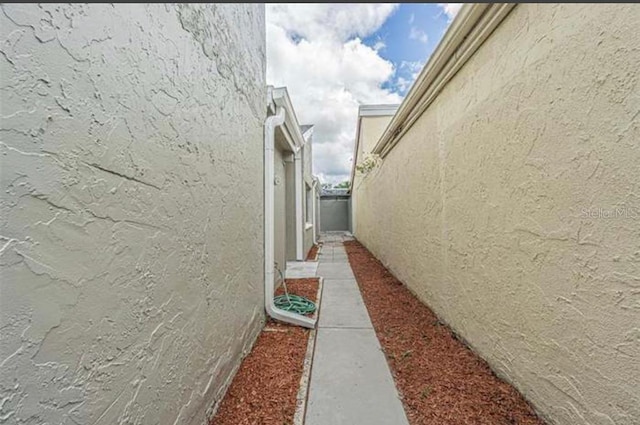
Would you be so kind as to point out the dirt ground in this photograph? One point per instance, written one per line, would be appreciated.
(440, 380)
(264, 390)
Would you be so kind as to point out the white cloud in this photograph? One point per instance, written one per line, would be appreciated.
(335, 21)
(451, 9)
(412, 18)
(418, 34)
(379, 45)
(316, 51)
(410, 70)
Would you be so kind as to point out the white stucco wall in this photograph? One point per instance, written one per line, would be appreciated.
(492, 208)
(307, 203)
(131, 209)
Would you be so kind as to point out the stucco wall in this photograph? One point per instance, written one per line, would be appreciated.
(371, 129)
(280, 213)
(290, 181)
(307, 171)
(131, 209)
(493, 208)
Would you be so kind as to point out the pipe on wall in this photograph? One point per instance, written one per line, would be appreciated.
(297, 158)
(269, 226)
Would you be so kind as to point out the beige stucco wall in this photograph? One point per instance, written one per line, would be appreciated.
(492, 208)
(371, 129)
(131, 209)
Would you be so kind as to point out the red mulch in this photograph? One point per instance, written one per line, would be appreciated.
(264, 390)
(313, 252)
(440, 379)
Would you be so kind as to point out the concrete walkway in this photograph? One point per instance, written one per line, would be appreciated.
(350, 381)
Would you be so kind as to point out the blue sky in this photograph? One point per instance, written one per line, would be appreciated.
(334, 57)
(410, 35)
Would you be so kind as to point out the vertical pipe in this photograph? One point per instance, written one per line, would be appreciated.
(299, 187)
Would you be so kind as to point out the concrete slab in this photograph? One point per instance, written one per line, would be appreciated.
(335, 237)
(341, 282)
(350, 381)
(335, 270)
(343, 307)
(301, 269)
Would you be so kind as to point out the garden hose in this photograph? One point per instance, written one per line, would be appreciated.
(293, 303)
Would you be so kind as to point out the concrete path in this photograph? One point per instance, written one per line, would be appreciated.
(350, 381)
(301, 269)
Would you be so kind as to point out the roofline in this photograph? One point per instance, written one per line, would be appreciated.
(377, 110)
(308, 133)
(471, 27)
(280, 97)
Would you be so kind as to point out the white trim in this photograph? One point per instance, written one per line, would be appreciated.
(281, 98)
(308, 134)
(308, 226)
(472, 26)
(299, 187)
(377, 110)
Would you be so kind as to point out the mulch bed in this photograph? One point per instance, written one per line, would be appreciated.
(264, 390)
(441, 381)
(313, 253)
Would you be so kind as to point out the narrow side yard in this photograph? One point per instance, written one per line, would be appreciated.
(265, 388)
(440, 380)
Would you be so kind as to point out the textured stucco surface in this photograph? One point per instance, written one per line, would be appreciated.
(131, 209)
(371, 129)
(493, 208)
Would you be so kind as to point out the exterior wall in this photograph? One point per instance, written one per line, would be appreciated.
(371, 129)
(307, 172)
(280, 231)
(131, 209)
(335, 213)
(291, 207)
(492, 208)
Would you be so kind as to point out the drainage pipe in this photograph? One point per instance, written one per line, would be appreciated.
(269, 226)
(297, 162)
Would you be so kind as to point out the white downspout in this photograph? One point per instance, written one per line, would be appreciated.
(269, 226)
(314, 189)
(299, 219)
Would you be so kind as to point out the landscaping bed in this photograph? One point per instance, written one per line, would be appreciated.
(440, 380)
(312, 255)
(265, 388)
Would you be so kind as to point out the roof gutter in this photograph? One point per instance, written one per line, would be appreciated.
(468, 31)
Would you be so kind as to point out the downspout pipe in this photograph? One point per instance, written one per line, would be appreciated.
(269, 227)
(299, 187)
(314, 190)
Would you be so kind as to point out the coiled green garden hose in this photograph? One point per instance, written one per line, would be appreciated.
(294, 303)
